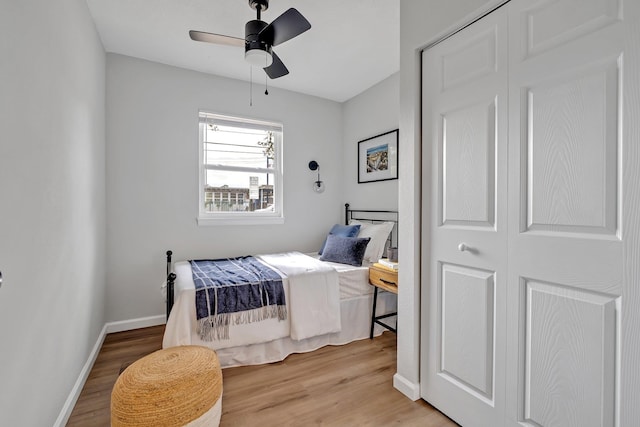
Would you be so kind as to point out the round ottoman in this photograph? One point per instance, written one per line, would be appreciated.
(177, 386)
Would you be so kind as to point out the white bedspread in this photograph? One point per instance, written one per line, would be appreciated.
(314, 294)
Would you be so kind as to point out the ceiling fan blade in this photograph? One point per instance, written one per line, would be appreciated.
(285, 27)
(201, 36)
(277, 68)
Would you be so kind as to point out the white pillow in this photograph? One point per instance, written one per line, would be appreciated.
(379, 233)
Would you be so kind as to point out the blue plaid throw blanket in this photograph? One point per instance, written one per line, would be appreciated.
(235, 291)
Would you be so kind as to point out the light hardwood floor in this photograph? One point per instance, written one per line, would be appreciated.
(348, 385)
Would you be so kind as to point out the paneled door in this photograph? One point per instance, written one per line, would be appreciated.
(464, 321)
(565, 233)
(530, 119)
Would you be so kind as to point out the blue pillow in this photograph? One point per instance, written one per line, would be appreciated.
(341, 230)
(345, 250)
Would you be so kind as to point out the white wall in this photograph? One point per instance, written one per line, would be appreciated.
(421, 22)
(152, 175)
(52, 204)
(368, 114)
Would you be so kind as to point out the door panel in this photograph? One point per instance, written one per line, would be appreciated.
(569, 356)
(470, 61)
(565, 247)
(468, 155)
(570, 152)
(548, 24)
(465, 118)
(467, 328)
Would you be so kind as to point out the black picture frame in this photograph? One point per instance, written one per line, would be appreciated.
(378, 158)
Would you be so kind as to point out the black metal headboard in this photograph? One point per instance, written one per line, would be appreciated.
(374, 216)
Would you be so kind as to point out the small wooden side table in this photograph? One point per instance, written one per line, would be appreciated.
(386, 279)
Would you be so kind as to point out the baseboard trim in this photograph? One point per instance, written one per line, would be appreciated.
(70, 403)
(406, 387)
(129, 325)
(108, 328)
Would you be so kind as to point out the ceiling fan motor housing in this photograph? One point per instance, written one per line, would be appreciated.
(253, 41)
(252, 36)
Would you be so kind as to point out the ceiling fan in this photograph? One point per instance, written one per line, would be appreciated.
(260, 37)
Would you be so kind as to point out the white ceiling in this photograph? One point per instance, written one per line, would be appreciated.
(352, 44)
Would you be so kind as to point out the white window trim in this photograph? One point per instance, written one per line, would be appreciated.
(261, 218)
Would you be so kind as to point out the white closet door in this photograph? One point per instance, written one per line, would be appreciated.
(464, 303)
(534, 322)
(565, 194)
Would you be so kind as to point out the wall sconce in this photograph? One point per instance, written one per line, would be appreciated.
(318, 186)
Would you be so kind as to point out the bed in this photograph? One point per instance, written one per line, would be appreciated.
(327, 302)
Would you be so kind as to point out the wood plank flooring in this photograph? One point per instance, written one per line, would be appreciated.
(118, 351)
(348, 385)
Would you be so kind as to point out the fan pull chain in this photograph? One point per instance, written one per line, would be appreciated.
(250, 86)
(266, 91)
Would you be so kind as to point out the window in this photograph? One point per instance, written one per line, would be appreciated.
(240, 170)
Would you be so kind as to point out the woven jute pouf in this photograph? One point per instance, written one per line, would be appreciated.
(177, 386)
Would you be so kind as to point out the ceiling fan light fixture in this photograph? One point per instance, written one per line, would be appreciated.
(258, 57)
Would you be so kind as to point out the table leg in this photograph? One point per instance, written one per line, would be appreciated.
(373, 312)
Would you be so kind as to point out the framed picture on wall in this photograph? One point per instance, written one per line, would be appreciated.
(378, 157)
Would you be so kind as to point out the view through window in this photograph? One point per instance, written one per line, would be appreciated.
(241, 168)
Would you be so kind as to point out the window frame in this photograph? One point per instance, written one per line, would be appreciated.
(241, 218)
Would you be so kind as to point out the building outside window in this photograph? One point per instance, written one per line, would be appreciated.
(240, 170)
(225, 199)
